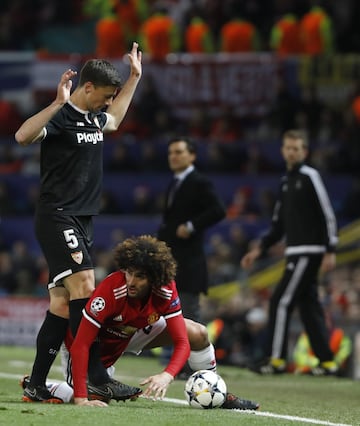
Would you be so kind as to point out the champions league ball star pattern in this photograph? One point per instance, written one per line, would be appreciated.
(205, 389)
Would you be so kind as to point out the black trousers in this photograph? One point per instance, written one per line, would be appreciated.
(190, 305)
(298, 288)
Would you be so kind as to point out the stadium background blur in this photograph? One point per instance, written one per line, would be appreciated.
(235, 105)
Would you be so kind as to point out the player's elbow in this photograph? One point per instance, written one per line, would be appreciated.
(113, 122)
(23, 139)
(20, 138)
(110, 128)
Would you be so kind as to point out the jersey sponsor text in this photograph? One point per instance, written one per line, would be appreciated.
(93, 138)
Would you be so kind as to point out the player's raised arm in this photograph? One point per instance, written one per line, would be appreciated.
(32, 129)
(120, 105)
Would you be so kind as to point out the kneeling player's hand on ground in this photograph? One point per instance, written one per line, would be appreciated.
(157, 385)
(93, 403)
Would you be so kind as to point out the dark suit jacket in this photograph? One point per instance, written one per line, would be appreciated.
(196, 201)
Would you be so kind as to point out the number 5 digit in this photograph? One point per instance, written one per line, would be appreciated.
(70, 238)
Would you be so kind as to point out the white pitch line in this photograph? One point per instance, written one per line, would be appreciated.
(268, 414)
(299, 419)
(256, 413)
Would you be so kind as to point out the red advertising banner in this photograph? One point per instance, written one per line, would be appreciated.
(21, 319)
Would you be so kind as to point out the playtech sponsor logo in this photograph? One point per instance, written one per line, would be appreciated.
(93, 138)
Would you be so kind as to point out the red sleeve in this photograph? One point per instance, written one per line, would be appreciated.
(177, 330)
(79, 351)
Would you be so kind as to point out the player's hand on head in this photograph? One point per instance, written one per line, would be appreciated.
(157, 385)
(64, 86)
(135, 57)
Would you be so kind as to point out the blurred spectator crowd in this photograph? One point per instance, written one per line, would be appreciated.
(194, 25)
(227, 144)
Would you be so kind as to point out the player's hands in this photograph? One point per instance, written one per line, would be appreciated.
(328, 263)
(135, 60)
(158, 385)
(183, 232)
(84, 402)
(64, 86)
(248, 260)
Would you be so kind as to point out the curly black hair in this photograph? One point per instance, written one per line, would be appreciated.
(149, 256)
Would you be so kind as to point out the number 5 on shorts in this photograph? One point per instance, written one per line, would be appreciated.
(70, 238)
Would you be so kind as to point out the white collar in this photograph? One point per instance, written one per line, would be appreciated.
(181, 176)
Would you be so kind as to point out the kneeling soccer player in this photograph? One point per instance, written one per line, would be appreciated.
(136, 308)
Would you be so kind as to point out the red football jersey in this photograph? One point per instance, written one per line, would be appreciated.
(114, 318)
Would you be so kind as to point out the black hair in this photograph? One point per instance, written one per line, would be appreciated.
(100, 72)
(190, 143)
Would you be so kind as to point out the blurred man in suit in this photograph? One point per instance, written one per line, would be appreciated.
(191, 207)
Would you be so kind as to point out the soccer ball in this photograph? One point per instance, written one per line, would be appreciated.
(205, 389)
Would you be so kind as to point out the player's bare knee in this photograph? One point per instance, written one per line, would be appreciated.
(59, 308)
(59, 302)
(81, 284)
(203, 335)
(198, 336)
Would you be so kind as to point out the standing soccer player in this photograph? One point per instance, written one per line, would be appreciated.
(71, 131)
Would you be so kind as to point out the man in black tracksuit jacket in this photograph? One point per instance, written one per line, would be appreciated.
(304, 216)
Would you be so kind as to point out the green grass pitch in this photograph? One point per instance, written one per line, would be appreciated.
(285, 400)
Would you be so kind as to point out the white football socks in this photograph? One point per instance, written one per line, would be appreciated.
(61, 390)
(203, 360)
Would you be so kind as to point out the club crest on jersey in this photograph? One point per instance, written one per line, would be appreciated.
(77, 257)
(118, 318)
(153, 317)
(97, 305)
